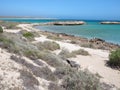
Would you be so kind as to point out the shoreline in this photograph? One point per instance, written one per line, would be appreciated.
(82, 39)
(94, 61)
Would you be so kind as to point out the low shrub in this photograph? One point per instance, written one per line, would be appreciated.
(50, 58)
(66, 54)
(32, 54)
(80, 52)
(88, 45)
(51, 45)
(48, 45)
(7, 44)
(1, 29)
(78, 80)
(114, 58)
(28, 35)
(54, 37)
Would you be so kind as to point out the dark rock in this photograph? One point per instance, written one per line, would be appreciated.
(73, 64)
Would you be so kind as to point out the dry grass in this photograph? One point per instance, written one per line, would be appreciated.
(80, 52)
(48, 45)
(78, 80)
(66, 54)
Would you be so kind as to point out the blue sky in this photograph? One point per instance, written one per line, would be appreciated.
(75, 9)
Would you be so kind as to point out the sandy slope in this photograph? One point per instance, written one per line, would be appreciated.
(95, 62)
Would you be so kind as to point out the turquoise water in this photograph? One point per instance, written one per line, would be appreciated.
(110, 33)
(93, 28)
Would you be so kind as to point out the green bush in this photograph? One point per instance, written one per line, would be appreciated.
(80, 52)
(28, 35)
(51, 45)
(114, 58)
(78, 80)
(48, 45)
(1, 30)
(66, 54)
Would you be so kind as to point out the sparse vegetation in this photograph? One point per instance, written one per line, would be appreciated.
(28, 35)
(1, 29)
(78, 80)
(88, 45)
(54, 37)
(48, 45)
(66, 54)
(51, 45)
(114, 58)
(9, 25)
(51, 59)
(80, 52)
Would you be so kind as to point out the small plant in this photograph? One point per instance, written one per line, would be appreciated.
(114, 58)
(1, 29)
(51, 45)
(80, 52)
(28, 35)
(48, 45)
(31, 54)
(66, 54)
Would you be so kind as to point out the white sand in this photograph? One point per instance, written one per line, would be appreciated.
(94, 63)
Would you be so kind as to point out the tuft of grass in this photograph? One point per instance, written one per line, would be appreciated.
(80, 52)
(28, 35)
(88, 45)
(51, 45)
(32, 54)
(78, 80)
(48, 45)
(1, 29)
(114, 58)
(66, 54)
(9, 25)
(50, 58)
(54, 37)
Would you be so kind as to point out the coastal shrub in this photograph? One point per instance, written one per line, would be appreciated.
(32, 54)
(1, 29)
(51, 45)
(28, 35)
(50, 58)
(114, 58)
(54, 37)
(9, 25)
(66, 54)
(6, 43)
(77, 80)
(88, 45)
(48, 45)
(80, 52)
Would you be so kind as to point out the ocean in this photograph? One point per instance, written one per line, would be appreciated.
(92, 29)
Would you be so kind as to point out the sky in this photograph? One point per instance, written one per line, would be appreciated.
(68, 9)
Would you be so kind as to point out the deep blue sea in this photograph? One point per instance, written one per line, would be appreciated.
(91, 29)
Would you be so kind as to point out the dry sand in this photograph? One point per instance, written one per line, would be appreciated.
(94, 63)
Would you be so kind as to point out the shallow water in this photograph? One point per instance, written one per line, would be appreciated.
(91, 29)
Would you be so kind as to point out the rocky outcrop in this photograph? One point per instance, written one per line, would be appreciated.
(110, 22)
(66, 23)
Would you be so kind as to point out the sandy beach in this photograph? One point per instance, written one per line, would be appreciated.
(95, 62)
